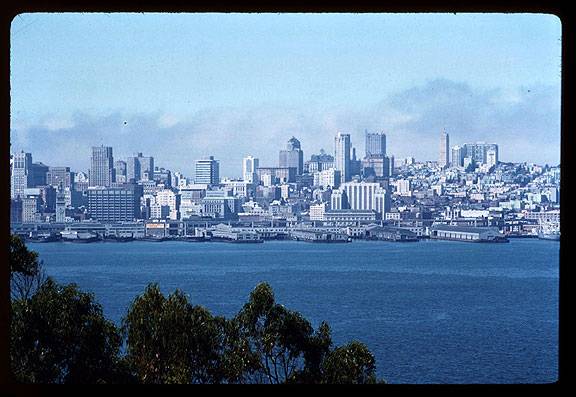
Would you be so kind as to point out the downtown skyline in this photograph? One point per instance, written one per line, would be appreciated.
(250, 84)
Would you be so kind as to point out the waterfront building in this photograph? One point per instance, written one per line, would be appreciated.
(115, 204)
(249, 167)
(342, 147)
(317, 211)
(139, 168)
(466, 233)
(292, 156)
(207, 171)
(60, 207)
(346, 217)
(444, 159)
(168, 198)
(102, 166)
(31, 208)
(21, 176)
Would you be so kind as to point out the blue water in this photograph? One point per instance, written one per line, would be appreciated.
(431, 312)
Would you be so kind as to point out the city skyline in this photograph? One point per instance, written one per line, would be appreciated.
(493, 78)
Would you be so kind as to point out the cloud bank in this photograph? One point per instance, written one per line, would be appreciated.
(525, 123)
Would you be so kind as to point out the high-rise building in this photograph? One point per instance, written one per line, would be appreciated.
(319, 162)
(478, 152)
(207, 171)
(292, 156)
(114, 204)
(342, 146)
(102, 166)
(60, 177)
(120, 171)
(444, 159)
(138, 166)
(375, 144)
(21, 174)
(327, 178)
(60, 207)
(366, 196)
(458, 156)
(249, 167)
(39, 171)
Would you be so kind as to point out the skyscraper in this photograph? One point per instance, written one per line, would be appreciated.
(444, 159)
(375, 145)
(102, 166)
(21, 176)
(292, 156)
(342, 146)
(139, 165)
(207, 171)
(249, 167)
(458, 155)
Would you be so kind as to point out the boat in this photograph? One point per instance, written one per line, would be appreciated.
(152, 239)
(118, 239)
(44, 238)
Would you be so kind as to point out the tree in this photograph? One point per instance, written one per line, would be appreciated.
(171, 341)
(26, 273)
(352, 363)
(59, 335)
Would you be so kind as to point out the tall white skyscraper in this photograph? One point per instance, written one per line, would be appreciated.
(444, 159)
(342, 146)
(249, 167)
(20, 174)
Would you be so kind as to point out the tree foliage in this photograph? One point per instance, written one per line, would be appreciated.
(59, 334)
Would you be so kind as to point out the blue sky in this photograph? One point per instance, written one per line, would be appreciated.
(183, 86)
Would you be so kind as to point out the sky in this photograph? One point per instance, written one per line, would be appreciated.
(181, 87)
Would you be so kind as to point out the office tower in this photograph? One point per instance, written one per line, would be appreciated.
(292, 156)
(327, 178)
(60, 177)
(21, 174)
(363, 195)
(16, 210)
(137, 166)
(319, 162)
(102, 166)
(478, 152)
(457, 156)
(375, 144)
(444, 150)
(120, 171)
(39, 172)
(355, 164)
(492, 156)
(249, 167)
(207, 171)
(114, 204)
(391, 164)
(31, 208)
(342, 146)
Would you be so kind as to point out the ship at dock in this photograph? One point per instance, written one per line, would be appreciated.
(549, 231)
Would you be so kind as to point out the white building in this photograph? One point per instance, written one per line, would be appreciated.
(249, 167)
(327, 178)
(317, 211)
(403, 187)
(170, 199)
